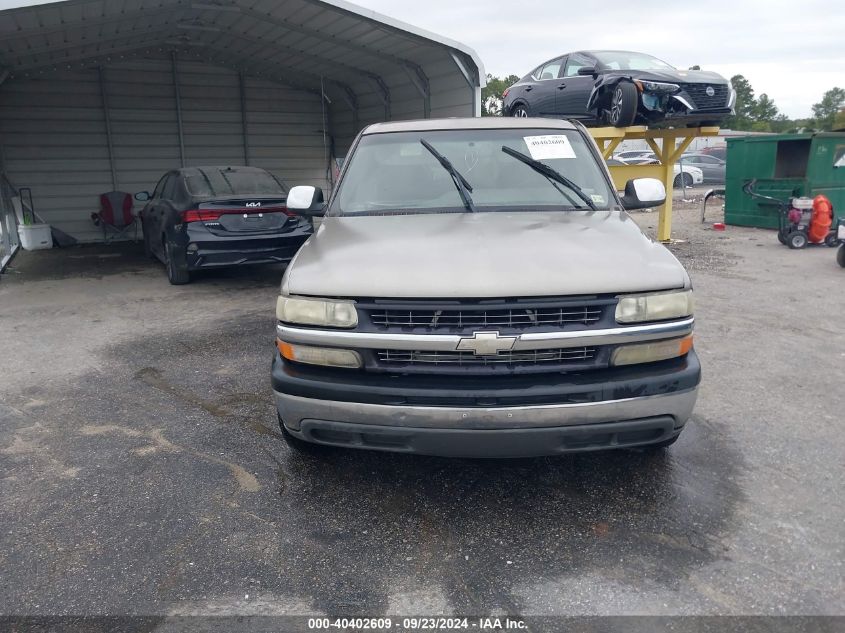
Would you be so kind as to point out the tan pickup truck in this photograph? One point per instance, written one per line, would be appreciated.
(476, 288)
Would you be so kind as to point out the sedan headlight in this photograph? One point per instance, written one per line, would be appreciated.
(654, 307)
(308, 311)
(659, 86)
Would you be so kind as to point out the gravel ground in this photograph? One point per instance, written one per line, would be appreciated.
(141, 470)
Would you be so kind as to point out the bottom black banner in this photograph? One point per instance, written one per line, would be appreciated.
(434, 623)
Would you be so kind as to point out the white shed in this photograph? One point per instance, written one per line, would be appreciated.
(102, 95)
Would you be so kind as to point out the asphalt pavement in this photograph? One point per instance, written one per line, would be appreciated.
(142, 472)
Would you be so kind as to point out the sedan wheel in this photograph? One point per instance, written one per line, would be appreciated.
(176, 274)
(520, 112)
(686, 182)
(623, 105)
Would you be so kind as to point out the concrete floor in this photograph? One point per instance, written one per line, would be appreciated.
(141, 470)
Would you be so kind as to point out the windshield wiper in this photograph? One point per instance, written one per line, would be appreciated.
(551, 174)
(464, 188)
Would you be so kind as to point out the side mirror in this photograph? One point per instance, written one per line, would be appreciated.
(142, 196)
(641, 193)
(306, 200)
(587, 70)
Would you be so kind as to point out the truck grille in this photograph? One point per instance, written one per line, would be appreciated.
(698, 92)
(541, 360)
(516, 314)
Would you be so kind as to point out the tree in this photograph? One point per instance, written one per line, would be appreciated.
(825, 111)
(839, 120)
(765, 109)
(757, 114)
(491, 94)
(782, 124)
(745, 105)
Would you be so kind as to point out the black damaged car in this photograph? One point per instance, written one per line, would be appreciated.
(212, 217)
(620, 88)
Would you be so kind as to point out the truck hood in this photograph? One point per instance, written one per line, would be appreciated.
(468, 255)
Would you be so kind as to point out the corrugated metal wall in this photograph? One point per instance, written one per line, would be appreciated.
(53, 132)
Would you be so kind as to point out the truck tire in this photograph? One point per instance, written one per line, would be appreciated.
(840, 256)
(623, 104)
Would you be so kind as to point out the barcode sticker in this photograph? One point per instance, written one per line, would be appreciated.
(549, 146)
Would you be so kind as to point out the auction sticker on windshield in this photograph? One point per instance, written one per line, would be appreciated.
(549, 146)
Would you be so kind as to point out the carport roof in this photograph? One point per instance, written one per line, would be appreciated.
(302, 43)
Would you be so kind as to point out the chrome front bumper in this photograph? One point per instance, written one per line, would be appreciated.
(492, 432)
(610, 408)
(295, 409)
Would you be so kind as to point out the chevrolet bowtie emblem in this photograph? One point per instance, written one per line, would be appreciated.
(486, 343)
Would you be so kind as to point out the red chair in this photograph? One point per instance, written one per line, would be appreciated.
(115, 216)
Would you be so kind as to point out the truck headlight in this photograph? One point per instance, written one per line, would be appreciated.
(326, 356)
(307, 311)
(657, 306)
(651, 352)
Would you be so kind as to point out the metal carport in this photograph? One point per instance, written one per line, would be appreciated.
(100, 95)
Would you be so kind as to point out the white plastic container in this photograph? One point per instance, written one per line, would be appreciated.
(35, 237)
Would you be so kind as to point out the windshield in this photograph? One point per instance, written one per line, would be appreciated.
(213, 182)
(621, 60)
(395, 173)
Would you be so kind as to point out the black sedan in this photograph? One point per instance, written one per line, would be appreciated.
(210, 217)
(620, 88)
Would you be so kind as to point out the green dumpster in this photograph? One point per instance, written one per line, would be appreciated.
(785, 165)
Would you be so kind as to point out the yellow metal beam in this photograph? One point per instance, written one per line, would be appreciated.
(608, 146)
(673, 143)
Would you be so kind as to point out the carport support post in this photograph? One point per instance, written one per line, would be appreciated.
(178, 108)
(6, 222)
(107, 117)
(244, 127)
(474, 86)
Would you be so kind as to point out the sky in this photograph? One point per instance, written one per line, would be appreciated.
(793, 51)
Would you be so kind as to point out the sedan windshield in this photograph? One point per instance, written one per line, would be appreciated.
(395, 173)
(621, 60)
